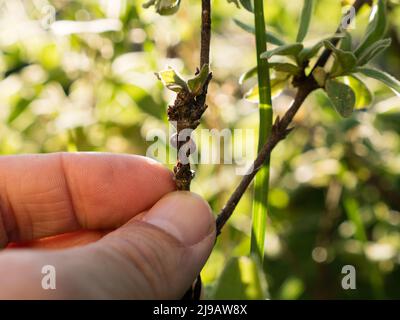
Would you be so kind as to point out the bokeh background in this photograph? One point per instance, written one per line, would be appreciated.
(79, 76)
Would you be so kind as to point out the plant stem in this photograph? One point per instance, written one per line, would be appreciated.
(205, 32)
(191, 107)
(279, 132)
(261, 185)
(194, 292)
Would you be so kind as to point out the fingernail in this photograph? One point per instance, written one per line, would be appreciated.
(184, 215)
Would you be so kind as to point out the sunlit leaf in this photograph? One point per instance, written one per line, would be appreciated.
(382, 76)
(196, 84)
(305, 20)
(363, 95)
(342, 97)
(171, 79)
(376, 28)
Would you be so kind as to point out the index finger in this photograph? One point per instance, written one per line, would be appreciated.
(45, 195)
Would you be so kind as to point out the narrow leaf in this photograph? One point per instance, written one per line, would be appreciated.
(374, 50)
(382, 76)
(285, 50)
(285, 67)
(305, 20)
(376, 28)
(342, 97)
(271, 37)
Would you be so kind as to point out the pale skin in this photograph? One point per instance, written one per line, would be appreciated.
(113, 227)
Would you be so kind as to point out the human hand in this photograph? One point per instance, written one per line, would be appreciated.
(111, 226)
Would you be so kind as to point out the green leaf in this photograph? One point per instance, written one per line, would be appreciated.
(374, 50)
(345, 60)
(342, 97)
(171, 79)
(164, 7)
(248, 5)
(305, 20)
(285, 50)
(285, 67)
(271, 37)
(346, 43)
(196, 84)
(364, 96)
(308, 53)
(376, 28)
(382, 76)
(248, 75)
(277, 86)
(242, 279)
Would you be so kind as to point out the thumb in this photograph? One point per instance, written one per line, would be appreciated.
(156, 255)
(168, 245)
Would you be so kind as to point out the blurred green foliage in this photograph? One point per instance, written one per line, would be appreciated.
(89, 85)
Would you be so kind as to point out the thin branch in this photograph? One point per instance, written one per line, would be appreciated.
(188, 109)
(279, 132)
(199, 104)
(205, 32)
